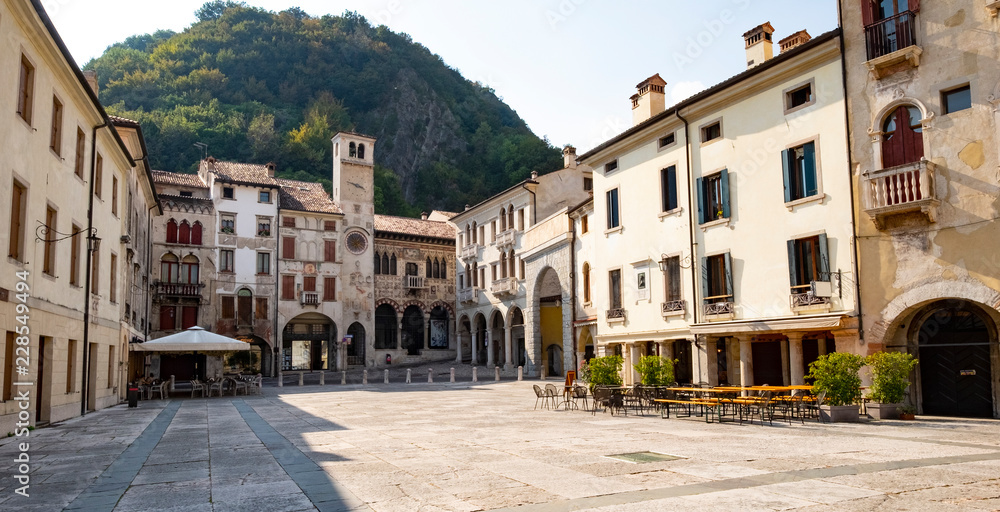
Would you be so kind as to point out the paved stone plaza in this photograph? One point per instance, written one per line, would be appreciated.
(428, 447)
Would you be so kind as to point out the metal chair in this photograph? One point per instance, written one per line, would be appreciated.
(552, 393)
(540, 395)
(580, 393)
(215, 384)
(160, 388)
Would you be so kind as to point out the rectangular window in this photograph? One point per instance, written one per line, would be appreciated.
(520, 269)
(288, 222)
(799, 97)
(71, 366)
(611, 166)
(99, 176)
(228, 193)
(288, 247)
(330, 251)
(287, 287)
(74, 256)
(520, 219)
(263, 263)
(114, 196)
(330, 289)
(808, 261)
(493, 231)
(957, 99)
(672, 278)
(493, 271)
(263, 226)
(799, 169)
(585, 224)
(186, 193)
(227, 223)
(309, 284)
(264, 196)
(55, 139)
(9, 367)
(111, 366)
(113, 271)
(713, 197)
(26, 90)
(226, 263)
(668, 188)
(666, 141)
(261, 313)
(18, 201)
(613, 218)
(228, 307)
(81, 151)
(482, 277)
(588, 184)
(49, 262)
(711, 132)
(95, 275)
(615, 288)
(330, 225)
(717, 278)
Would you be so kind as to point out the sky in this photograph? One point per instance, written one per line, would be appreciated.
(568, 67)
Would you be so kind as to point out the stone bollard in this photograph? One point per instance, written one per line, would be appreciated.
(542, 373)
(520, 373)
(475, 374)
(302, 378)
(281, 380)
(322, 378)
(452, 375)
(173, 381)
(386, 376)
(364, 378)
(409, 374)
(430, 375)
(343, 378)
(497, 368)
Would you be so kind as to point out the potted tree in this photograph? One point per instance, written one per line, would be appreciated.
(655, 371)
(605, 371)
(889, 381)
(837, 375)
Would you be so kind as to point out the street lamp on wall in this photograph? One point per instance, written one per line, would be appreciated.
(46, 234)
(683, 262)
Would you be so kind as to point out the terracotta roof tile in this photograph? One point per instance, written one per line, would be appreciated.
(408, 226)
(305, 197)
(124, 121)
(178, 179)
(241, 173)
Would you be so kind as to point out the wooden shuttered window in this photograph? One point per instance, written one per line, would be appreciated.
(229, 307)
(330, 250)
(287, 287)
(330, 288)
(288, 248)
(309, 284)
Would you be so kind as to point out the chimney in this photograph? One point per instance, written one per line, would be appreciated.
(91, 77)
(534, 175)
(211, 163)
(270, 169)
(797, 39)
(760, 47)
(649, 99)
(423, 215)
(569, 157)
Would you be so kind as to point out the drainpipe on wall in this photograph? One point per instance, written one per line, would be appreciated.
(572, 291)
(276, 351)
(692, 201)
(149, 265)
(90, 258)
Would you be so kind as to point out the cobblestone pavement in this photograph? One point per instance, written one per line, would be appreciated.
(466, 447)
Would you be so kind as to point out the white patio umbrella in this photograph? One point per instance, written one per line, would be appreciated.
(194, 339)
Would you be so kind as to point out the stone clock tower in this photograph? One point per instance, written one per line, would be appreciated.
(354, 192)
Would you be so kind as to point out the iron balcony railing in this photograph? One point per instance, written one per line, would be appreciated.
(801, 300)
(891, 34)
(673, 306)
(720, 308)
(616, 314)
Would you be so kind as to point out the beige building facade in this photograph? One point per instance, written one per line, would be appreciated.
(923, 88)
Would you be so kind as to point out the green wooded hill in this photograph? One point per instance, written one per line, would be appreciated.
(259, 86)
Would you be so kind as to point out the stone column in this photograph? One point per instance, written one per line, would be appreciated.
(634, 355)
(399, 335)
(699, 359)
(508, 347)
(458, 348)
(796, 372)
(666, 349)
(712, 357)
(475, 347)
(427, 331)
(746, 361)
(489, 349)
(785, 377)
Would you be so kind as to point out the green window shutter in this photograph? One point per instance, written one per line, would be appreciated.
(724, 200)
(700, 186)
(786, 168)
(729, 276)
(704, 278)
(793, 269)
(810, 183)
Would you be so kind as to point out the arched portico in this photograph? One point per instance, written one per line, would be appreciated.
(479, 341)
(497, 337)
(307, 343)
(551, 343)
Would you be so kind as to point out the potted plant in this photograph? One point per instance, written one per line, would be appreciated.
(605, 371)
(889, 381)
(907, 412)
(837, 375)
(655, 371)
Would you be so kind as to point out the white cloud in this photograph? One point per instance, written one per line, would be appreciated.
(684, 90)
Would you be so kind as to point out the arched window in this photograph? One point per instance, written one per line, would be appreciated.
(429, 269)
(586, 282)
(503, 220)
(196, 234)
(169, 268)
(444, 269)
(392, 265)
(510, 217)
(902, 137)
(475, 275)
(385, 264)
(171, 231)
(378, 264)
(184, 233)
(437, 269)
(244, 307)
(352, 150)
(361, 151)
(510, 263)
(468, 276)
(468, 234)
(503, 265)
(474, 237)
(189, 270)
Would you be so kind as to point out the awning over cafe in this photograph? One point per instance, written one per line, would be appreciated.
(194, 339)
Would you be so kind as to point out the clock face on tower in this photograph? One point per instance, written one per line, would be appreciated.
(357, 242)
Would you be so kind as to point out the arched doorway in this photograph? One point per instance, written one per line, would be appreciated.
(356, 348)
(953, 341)
(413, 330)
(497, 339)
(585, 346)
(385, 327)
(465, 339)
(518, 354)
(550, 304)
(439, 328)
(902, 137)
(480, 339)
(306, 343)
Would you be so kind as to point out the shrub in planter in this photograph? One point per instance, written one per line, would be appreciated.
(605, 371)
(889, 376)
(655, 371)
(837, 375)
